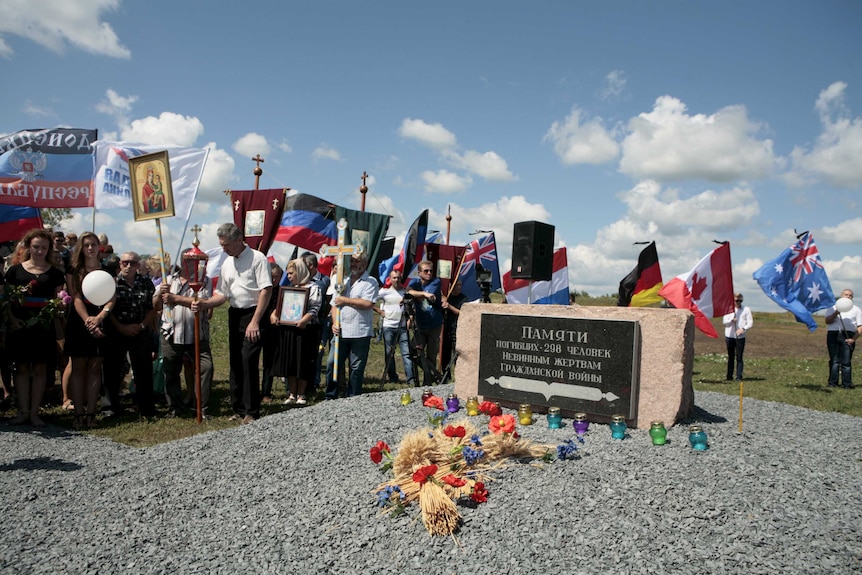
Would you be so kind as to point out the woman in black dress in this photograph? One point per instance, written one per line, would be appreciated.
(84, 335)
(296, 351)
(31, 338)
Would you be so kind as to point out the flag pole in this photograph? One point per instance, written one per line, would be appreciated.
(363, 189)
(448, 223)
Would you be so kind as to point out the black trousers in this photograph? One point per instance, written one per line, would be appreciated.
(140, 351)
(244, 362)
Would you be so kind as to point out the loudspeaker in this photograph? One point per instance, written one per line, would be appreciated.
(533, 251)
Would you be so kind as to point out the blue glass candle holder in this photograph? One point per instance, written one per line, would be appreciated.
(555, 418)
(618, 427)
(581, 423)
(697, 438)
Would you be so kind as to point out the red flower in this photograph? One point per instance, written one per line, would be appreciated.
(480, 494)
(378, 450)
(502, 423)
(32, 285)
(454, 481)
(450, 431)
(423, 474)
(434, 401)
(490, 408)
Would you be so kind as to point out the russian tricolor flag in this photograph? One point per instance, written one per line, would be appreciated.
(555, 291)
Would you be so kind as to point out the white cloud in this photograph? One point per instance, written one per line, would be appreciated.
(668, 144)
(844, 273)
(32, 109)
(56, 24)
(284, 147)
(251, 145)
(445, 182)
(682, 227)
(577, 142)
(847, 232)
(835, 155)
(169, 129)
(709, 210)
(433, 135)
(218, 175)
(489, 165)
(615, 82)
(324, 152)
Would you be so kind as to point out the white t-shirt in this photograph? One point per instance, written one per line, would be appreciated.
(390, 299)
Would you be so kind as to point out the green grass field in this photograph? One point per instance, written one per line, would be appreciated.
(784, 363)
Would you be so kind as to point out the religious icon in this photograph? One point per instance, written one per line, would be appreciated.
(444, 269)
(152, 194)
(254, 221)
(292, 303)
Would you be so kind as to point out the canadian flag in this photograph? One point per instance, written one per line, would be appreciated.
(707, 290)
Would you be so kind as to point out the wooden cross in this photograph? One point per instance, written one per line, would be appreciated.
(340, 252)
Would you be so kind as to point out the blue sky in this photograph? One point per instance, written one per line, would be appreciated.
(679, 122)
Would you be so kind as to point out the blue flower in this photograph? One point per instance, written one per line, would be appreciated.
(475, 440)
(471, 455)
(567, 450)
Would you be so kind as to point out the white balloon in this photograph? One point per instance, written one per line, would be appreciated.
(98, 287)
(844, 304)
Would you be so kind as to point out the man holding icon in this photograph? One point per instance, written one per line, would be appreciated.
(843, 328)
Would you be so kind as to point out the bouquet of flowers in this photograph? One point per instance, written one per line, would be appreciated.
(49, 309)
(446, 466)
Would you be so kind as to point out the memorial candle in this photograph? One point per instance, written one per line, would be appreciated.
(581, 423)
(658, 433)
(452, 403)
(697, 438)
(472, 405)
(405, 398)
(618, 426)
(426, 394)
(555, 418)
(525, 414)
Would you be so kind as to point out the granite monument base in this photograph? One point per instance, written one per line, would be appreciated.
(666, 356)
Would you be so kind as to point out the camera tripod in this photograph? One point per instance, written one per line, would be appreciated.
(416, 351)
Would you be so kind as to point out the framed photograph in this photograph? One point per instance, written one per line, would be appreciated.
(292, 303)
(444, 269)
(152, 194)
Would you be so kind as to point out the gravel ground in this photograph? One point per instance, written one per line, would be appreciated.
(293, 493)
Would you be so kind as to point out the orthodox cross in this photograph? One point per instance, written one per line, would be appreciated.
(341, 252)
(363, 189)
(257, 170)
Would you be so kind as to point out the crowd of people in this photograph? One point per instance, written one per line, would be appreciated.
(147, 329)
(150, 321)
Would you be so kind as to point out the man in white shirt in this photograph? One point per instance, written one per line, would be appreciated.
(842, 331)
(246, 283)
(736, 324)
(356, 304)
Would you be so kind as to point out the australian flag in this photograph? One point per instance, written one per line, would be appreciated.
(484, 252)
(796, 281)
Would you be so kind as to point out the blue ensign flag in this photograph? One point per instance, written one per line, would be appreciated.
(796, 281)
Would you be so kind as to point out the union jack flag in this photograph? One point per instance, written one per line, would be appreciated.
(483, 250)
(804, 257)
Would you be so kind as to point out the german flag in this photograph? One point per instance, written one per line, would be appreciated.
(640, 287)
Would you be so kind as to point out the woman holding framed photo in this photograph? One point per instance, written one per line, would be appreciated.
(298, 331)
